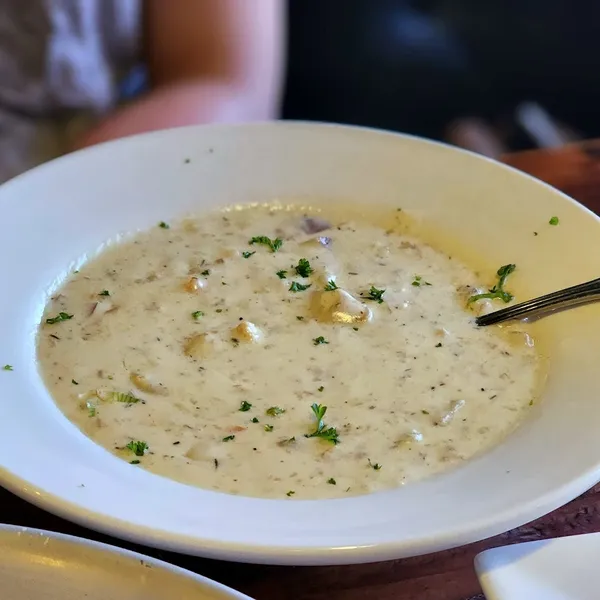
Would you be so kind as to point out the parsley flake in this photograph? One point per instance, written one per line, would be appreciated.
(197, 314)
(303, 268)
(266, 241)
(138, 448)
(331, 285)
(298, 287)
(205, 273)
(290, 493)
(134, 462)
(300, 318)
(329, 434)
(255, 420)
(269, 428)
(245, 406)
(320, 388)
(247, 254)
(320, 340)
(275, 411)
(74, 382)
(374, 294)
(61, 316)
(104, 293)
(164, 225)
(7, 368)
(418, 281)
(498, 290)
(553, 221)
(332, 481)
(374, 466)
(281, 274)
(229, 438)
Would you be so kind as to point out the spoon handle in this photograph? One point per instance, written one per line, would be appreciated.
(560, 299)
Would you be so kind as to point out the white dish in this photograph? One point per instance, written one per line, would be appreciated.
(51, 566)
(557, 569)
(57, 213)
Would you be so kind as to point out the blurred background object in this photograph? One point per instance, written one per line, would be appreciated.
(491, 75)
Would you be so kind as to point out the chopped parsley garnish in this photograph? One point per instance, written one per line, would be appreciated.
(266, 241)
(332, 481)
(300, 318)
(303, 268)
(229, 438)
(205, 273)
(290, 493)
(247, 254)
(7, 368)
(274, 411)
(91, 408)
(374, 294)
(425, 412)
(61, 316)
(219, 310)
(197, 314)
(255, 420)
(418, 281)
(329, 434)
(498, 290)
(438, 345)
(298, 287)
(281, 274)
(320, 340)
(104, 293)
(374, 466)
(164, 225)
(245, 406)
(331, 285)
(74, 382)
(134, 462)
(138, 448)
(269, 428)
(553, 221)
(321, 388)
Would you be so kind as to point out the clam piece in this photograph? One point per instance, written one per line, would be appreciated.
(145, 385)
(338, 306)
(247, 332)
(194, 284)
(197, 346)
(198, 451)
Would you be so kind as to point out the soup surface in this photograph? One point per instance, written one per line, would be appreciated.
(266, 353)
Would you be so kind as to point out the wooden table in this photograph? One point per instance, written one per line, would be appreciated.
(443, 576)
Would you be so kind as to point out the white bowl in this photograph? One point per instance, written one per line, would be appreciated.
(52, 566)
(57, 213)
(563, 568)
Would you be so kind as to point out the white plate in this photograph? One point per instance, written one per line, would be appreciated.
(43, 565)
(558, 569)
(59, 212)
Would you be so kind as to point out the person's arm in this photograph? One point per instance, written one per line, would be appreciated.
(209, 61)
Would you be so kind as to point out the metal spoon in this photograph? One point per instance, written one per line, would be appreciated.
(571, 296)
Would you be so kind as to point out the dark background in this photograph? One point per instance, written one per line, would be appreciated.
(415, 66)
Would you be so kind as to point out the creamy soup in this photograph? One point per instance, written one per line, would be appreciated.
(269, 353)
